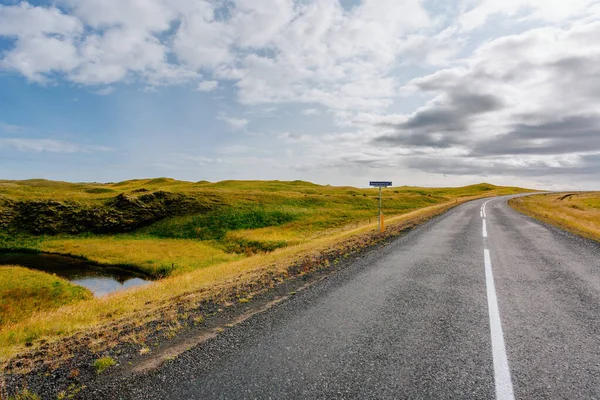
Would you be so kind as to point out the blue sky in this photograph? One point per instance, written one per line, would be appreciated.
(417, 92)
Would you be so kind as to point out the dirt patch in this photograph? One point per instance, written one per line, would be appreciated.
(566, 196)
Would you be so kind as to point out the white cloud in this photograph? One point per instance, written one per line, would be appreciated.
(49, 42)
(44, 40)
(207, 86)
(25, 20)
(326, 55)
(438, 49)
(144, 15)
(11, 128)
(202, 42)
(47, 145)
(105, 91)
(257, 23)
(111, 56)
(236, 149)
(275, 50)
(310, 111)
(547, 10)
(234, 123)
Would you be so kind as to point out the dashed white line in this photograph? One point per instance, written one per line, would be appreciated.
(484, 229)
(504, 388)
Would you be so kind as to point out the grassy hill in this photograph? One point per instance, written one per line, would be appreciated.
(165, 226)
(577, 212)
(218, 241)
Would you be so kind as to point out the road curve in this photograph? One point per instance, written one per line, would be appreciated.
(457, 308)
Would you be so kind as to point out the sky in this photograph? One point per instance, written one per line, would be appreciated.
(341, 92)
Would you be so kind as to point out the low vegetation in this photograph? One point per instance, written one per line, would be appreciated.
(577, 212)
(24, 292)
(101, 364)
(205, 240)
(24, 394)
(157, 257)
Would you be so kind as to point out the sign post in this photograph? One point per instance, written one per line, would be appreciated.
(380, 185)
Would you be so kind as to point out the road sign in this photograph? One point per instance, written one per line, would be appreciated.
(380, 183)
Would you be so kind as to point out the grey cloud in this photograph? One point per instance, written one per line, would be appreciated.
(570, 135)
(589, 165)
(454, 113)
(547, 105)
(578, 77)
(374, 163)
(573, 65)
(440, 141)
(439, 80)
(350, 163)
(442, 125)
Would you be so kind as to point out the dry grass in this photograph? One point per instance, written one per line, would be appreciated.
(151, 255)
(577, 212)
(24, 293)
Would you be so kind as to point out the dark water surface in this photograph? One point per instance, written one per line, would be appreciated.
(100, 280)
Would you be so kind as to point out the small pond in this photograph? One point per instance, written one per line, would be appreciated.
(100, 280)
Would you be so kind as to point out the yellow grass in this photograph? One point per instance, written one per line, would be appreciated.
(579, 213)
(149, 254)
(270, 234)
(142, 303)
(25, 292)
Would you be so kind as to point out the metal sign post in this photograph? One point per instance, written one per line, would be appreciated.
(380, 185)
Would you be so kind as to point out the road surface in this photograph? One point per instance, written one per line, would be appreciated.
(479, 303)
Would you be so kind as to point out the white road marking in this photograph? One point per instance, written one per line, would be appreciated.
(504, 388)
(481, 213)
(484, 229)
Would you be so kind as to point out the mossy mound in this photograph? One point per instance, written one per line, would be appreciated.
(122, 213)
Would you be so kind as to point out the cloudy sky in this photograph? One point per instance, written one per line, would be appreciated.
(429, 92)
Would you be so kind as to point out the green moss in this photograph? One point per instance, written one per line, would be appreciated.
(214, 225)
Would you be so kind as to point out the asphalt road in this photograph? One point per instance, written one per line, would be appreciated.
(451, 310)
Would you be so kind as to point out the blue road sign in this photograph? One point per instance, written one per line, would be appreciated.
(380, 184)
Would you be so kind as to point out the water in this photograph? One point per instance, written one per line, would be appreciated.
(100, 280)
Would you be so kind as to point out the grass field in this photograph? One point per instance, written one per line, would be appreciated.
(24, 292)
(577, 212)
(238, 218)
(202, 238)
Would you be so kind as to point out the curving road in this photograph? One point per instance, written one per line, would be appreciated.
(479, 303)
